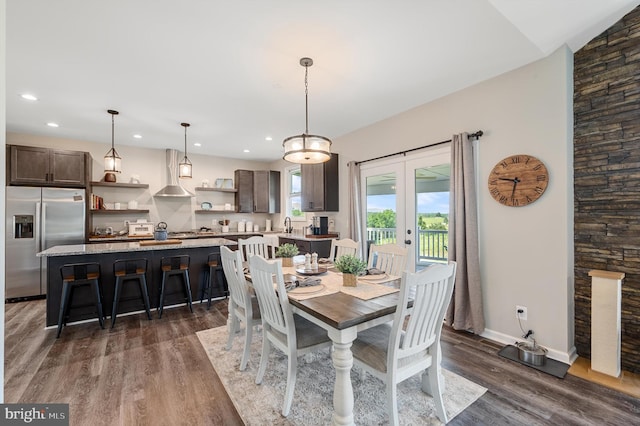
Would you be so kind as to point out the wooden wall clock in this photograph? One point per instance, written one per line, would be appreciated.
(518, 180)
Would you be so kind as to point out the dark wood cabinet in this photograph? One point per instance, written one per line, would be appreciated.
(258, 191)
(320, 186)
(322, 247)
(47, 167)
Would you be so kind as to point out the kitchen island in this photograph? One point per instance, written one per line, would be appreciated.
(106, 254)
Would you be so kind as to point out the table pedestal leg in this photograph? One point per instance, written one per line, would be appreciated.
(343, 390)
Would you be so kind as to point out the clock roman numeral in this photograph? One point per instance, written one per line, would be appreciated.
(529, 199)
(504, 164)
(541, 178)
(539, 190)
(515, 159)
(494, 191)
(503, 199)
(493, 182)
(537, 167)
(515, 202)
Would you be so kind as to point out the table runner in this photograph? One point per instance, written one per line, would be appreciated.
(332, 282)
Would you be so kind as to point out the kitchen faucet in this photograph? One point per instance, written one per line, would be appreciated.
(287, 225)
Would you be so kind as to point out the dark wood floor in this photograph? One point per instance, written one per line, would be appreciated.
(156, 373)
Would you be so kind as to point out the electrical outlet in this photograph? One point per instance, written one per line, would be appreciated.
(521, 312)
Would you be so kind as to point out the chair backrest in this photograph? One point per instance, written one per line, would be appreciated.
(233, 271)
(390, 258)
(430, 290)
(173, 263)
(123, 267)
(274, 302)
(342, 247)
(80, 271)
(255, 245)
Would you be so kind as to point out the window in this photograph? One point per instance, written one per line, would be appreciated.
(294, 194)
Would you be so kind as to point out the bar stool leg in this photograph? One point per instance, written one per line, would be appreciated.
(96, 288)
(145, 294)
(116, 298)
(188, 287)
(205, 287)
(63, 306)
(161, 304)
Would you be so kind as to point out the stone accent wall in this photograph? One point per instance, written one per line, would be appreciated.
(607, 177)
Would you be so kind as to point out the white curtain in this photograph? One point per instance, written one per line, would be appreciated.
(465, 311)
(355, 208)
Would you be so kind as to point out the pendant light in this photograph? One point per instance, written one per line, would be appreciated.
(112, 161)
(185, 167)
(306, 148)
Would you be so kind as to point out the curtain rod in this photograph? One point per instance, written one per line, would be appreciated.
(476, 135)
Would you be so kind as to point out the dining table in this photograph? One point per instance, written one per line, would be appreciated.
(343, 312)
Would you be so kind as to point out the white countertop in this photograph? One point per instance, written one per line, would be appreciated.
(304, 237)
(119, 247)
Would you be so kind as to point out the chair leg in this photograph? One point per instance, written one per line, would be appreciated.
(213, 277)
(116, 298)
(63, 307)
(264, 357)
(248, 334)
(145, 294)
(292, 364)
(205, 287)
(188, 288)
(161, 303)
(96, 287)
(233, 325)
(392, 401)
(431, 374)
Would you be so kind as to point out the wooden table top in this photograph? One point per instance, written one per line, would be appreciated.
(341, 311)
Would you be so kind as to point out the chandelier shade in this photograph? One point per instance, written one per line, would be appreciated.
(112, 161)
(185, 168)
(306, 148)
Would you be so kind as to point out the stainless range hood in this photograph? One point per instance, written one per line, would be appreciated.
(173, 188)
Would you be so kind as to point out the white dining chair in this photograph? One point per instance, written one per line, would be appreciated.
(390, 258)
(292, 334)
(342, 247)
(394, 352)
(243, 306)
(256, 245)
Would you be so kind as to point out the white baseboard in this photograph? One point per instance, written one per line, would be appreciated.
(566, 357)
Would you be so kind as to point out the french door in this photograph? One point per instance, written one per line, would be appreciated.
(406, 202)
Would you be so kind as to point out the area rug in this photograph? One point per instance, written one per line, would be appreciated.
(313, 396)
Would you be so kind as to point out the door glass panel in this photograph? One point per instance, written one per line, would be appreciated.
(381, 202)
(431, 214)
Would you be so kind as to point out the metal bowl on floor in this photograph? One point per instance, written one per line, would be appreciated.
(531, 353)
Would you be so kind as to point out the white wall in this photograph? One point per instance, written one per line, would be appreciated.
(150, 165)
(526, 253)
(3, 115)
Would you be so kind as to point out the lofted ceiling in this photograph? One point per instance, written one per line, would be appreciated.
(231, 68)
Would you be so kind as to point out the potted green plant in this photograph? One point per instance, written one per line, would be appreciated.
(286, 252)
(351, 266)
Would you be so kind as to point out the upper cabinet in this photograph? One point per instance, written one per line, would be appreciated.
(47, 167)
(320, 186)
(258, 191)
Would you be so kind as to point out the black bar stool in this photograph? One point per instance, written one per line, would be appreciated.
(175, 265)
(130, 269)
(73, 276)
(212, 278)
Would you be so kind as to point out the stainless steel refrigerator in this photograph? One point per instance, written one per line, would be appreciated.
(37, 219)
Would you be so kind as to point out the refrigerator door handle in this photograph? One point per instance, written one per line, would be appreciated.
(39, 233)
(43, 228)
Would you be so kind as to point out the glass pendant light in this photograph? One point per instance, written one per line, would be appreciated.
(185, 167)
(112, 161)
(306, 148)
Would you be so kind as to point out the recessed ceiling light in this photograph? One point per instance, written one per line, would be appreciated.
(29, 97)
(268, 138)
(52, 124)
(245, 150)
(137, 136)
(197, 144)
